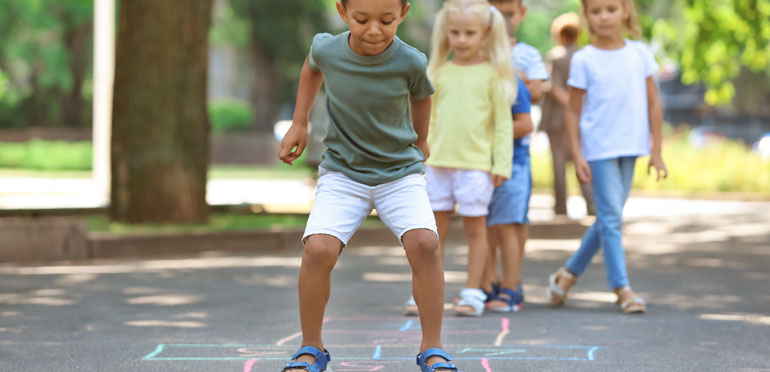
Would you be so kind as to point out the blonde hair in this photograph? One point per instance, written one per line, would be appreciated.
(496, 47)
(632, 24)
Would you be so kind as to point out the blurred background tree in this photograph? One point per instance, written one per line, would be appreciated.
(717, 42)
(45, 51)
(278, 34)
(160, 129)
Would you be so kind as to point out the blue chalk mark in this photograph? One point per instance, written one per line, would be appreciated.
(407, 325)
(377, 352)
(591, 352)
(153, 354)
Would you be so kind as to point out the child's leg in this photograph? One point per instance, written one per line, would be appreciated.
(404, 207)
(509, 254)
(475, 229)
(618, 176)
(318, 259)
(443, 219)
(490, 271)
(522, 234)
(340, 206)
(422, 251)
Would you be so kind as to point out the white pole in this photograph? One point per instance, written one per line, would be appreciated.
(104, 76)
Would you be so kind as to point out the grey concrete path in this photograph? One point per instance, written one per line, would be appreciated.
(703, 269)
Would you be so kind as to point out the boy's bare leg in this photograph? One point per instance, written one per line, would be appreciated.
(478, 250)
(318, 259)
(509, 255)
(443, 220)
(522, 234)
(422, 251)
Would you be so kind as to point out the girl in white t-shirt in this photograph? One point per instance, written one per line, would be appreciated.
(613, 109)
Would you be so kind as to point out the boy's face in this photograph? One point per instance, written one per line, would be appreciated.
(514, 13)
(606, 17)
(373, 23)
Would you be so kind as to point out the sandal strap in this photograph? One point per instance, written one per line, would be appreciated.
(423, 357)
(474, 298)
(514, 297)
(563, 273)
(322, 358)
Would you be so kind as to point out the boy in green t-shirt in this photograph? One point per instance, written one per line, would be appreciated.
(379, 106)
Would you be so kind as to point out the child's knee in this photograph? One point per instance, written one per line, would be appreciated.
(421, 243)
(322, 250)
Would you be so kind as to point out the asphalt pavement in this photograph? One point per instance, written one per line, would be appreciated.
(703, 267)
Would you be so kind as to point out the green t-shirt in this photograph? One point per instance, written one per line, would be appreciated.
(370, 137)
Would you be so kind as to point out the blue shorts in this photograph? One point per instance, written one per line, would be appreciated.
(510, 202)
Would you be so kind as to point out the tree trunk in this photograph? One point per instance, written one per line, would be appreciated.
(76, 38)
(160, 135)
(264, 91)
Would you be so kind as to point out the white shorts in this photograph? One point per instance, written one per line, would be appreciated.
(341, 205)
(470, 189)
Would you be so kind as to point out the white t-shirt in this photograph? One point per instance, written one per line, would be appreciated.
(614, 121)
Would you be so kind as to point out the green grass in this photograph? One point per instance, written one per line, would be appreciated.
(217, 222)
(721, 166)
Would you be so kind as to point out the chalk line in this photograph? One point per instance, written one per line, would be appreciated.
(504, 325)
(485, 364)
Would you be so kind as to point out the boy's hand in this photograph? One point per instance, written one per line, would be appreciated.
(583, 170)
(498, 180)
(423, 146)
(296, 137)
(656, 160)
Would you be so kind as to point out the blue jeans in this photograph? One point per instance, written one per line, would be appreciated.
(611, 181)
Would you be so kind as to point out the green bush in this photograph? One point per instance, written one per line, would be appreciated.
(230, 116)
(721, 165)
(46, 155)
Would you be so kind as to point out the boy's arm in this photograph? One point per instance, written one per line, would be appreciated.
(572, 124)
(309, 83)
(421, 112)
(655, 112)
(535, 89)
(522, 125)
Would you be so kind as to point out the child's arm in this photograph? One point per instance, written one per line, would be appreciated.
(522, 125)
(535, 89)
(421, 112)
(309, 83)
(656, 124)
(572, 124)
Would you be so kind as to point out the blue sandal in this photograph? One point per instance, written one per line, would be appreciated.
(322, 358)
(435, 367)
(513, 301)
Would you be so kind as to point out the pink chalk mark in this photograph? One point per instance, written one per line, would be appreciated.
(249, 364)
(485, 364)
(505, 322)
(327, 319)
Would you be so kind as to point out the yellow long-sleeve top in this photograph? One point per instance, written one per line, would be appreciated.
(471, 126)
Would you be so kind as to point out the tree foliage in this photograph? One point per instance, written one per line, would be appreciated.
(45, 49)
(714, 40)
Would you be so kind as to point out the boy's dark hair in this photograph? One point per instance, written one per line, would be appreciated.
(403, 3)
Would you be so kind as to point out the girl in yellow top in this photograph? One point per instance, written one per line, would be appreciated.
(471, 128)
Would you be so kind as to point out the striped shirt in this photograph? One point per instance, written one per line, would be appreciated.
(527, 58)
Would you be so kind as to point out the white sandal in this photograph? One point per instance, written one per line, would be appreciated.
(410, 307)
(557, 295)
(471, 297)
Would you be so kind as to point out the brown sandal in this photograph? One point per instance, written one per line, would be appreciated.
(633, 303)
(558, 295)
